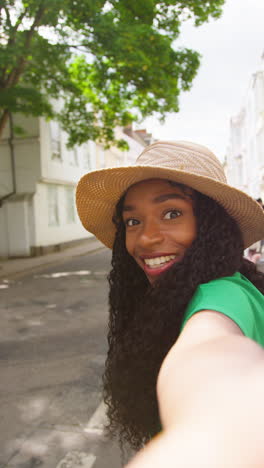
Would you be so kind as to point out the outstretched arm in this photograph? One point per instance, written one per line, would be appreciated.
(211, 399)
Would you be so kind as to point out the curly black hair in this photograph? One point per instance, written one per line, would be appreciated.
(145, 321)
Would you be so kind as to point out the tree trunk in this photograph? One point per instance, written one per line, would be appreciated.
(3, 122)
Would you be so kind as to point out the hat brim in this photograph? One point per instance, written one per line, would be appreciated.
(98, 193)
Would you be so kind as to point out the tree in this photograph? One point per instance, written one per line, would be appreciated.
(108, 62)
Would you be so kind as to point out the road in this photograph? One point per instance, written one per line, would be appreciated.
(52, 352)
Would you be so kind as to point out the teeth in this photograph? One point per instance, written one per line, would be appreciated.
(152, 262)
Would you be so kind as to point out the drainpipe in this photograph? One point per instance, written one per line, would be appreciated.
(12, 154)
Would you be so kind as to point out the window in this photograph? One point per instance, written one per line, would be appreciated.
(260, 146)
(87, 159)
(55, 140)
(73, 157)
(102, 158)
(70, 204)
(89, 156)
(53, 209)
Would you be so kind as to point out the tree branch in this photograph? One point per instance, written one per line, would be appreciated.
(77, 46)
(12, 39)
(15, 28)
(17, 72)
(8, 19)
(20, 18)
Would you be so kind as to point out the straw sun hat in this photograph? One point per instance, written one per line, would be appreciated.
(184, 162)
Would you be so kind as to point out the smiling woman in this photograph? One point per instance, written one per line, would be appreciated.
(160, 225)
(186, 309)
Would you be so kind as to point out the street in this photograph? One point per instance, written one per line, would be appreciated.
(52, 352)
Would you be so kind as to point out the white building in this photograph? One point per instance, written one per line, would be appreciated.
(136, 139)
(38, 176)
(245, 155)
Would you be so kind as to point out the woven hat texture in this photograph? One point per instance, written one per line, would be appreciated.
(184, 162)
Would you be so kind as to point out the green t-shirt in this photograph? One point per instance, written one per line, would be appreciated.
(236, 297)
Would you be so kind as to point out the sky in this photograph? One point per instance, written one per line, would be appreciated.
(231, 49)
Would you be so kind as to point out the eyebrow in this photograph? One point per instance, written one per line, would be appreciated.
(158, 199)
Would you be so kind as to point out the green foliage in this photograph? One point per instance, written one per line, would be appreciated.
(110, 62)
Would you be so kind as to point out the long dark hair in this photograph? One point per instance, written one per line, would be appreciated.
(145, 321)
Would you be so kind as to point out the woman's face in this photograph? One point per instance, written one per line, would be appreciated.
(160, 225)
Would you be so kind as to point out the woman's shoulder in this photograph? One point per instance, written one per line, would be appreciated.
(234, 296)
(236, 282)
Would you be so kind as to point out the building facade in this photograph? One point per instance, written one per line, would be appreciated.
(245, 155)
(38, 177)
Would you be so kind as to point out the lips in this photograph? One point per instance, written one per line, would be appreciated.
(158, 261)
(156, 264)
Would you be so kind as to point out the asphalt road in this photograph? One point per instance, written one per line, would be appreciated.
(52, 352)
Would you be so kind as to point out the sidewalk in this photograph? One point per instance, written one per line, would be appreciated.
(14, 267)
(52, 356)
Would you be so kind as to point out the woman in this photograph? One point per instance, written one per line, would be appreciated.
(186, 322)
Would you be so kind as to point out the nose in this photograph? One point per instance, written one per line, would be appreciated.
(150, 234)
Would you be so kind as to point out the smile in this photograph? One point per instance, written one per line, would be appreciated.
(158, 261)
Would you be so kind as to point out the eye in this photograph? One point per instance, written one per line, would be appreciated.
(131, 222)
(172, 214)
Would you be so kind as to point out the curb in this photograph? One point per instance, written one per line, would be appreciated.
(15, 268)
